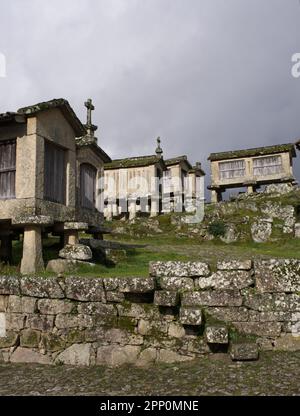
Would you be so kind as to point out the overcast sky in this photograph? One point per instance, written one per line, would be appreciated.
(205, 75)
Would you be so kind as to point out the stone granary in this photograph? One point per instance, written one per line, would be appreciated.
(250, 168)
(183, 184)
(151, 185)
(49, 166)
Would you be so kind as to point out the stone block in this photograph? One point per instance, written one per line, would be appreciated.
(97, 308)
(138, 310)
(76, 354)
(212, 298)
(41, 287)
(287, 342)
(176, 330)
(230, 314)
(176, 283)
(266, 302)
(9, 285)
(55, 306)
(234, 265)
(170, 357)
(9, 339)
(244, 352)
(27, 355)
(216, 334)
(121, 337)
(227, 279)
(30, 338)
(297, 230)
(24, 304)
(277, 275)
(115, 356)
(3, 303)
(147, 357)
(136, 284)
(190, 316)
(73, 321)
(40, 322)
(166, 298)
(60, 266)
(2, 324)
(53, 342)
(15, 321)
(179, 269)
(114, 296)
(85, 289)
(263, 329)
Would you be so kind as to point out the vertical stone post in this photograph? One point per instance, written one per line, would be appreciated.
(71, 231)
(214, 196)
(250, 189)
(71, 237)
(32, 260)
(132, 209)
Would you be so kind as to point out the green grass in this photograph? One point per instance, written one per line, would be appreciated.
(166, 247)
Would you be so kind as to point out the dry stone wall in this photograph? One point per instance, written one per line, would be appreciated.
(183, 310)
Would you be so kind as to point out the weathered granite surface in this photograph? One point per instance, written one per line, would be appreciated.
(181, 311)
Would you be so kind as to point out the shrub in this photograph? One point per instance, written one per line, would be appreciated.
(217, 229)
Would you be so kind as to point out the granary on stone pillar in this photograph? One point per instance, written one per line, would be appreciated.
(90, 173)
(298, 144)
(133, 185)
(152, 184)
(250, 168)
(47, 179)
(183, 185)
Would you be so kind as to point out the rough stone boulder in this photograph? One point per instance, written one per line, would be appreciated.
(76, 252)
(60, 266)
(261, 230)
(244, 352)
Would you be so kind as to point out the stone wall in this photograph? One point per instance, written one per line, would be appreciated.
(178, 313)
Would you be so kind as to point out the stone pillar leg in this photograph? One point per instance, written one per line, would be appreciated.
(214, 196)
(132, 209)
(71, 237)
(6, 249)
(250, 189)
(154, 208)
(32, 261)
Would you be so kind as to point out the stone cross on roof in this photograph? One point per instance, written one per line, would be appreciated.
(158, 150)
(90, 107)
(91, 128)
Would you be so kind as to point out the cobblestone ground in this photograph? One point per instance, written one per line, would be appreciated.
(273, 374)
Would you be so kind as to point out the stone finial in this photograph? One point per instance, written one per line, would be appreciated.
(90, 127)
(158, 150)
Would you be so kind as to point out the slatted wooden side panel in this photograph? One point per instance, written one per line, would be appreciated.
(55, 173)
(8, 169)
(270, 165)
(87, 186)
(232, 169)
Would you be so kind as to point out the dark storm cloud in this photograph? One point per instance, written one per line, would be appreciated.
(205, 75)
